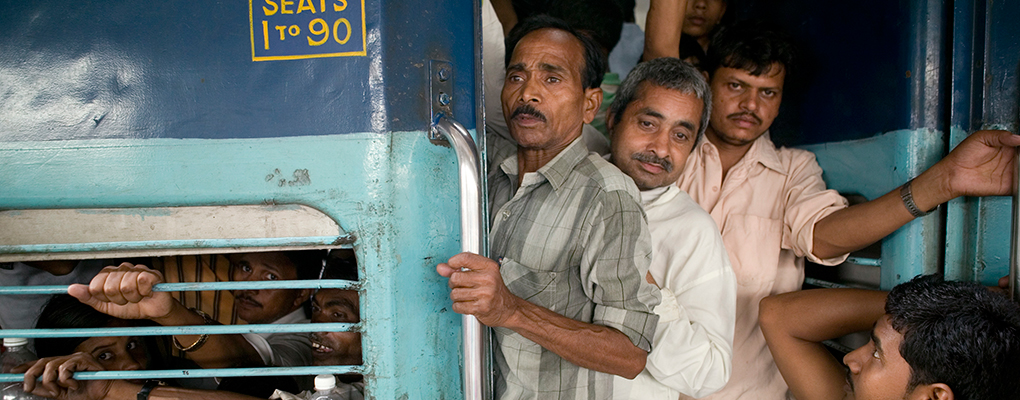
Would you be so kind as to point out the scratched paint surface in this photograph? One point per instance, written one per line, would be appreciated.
(397, 193)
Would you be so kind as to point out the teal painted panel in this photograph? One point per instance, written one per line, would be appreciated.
(874, 166)
(978, 234)
(397, 194)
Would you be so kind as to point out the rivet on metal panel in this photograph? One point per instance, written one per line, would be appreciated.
(440, 93)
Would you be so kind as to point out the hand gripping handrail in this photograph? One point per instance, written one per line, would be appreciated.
(470, 168)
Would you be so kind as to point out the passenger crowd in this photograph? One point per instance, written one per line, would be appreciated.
(648, 241)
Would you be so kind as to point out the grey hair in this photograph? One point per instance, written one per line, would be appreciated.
(667, 72)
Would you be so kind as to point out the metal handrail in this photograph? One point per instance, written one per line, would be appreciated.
(205, 373)
(181, 330)
(470, 167)
(1014, 248)
(199, 286)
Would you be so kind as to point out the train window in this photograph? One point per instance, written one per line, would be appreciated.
(272, 319)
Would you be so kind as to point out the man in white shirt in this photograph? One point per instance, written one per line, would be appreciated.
(661, 110)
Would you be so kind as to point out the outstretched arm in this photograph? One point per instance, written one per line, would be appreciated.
(477, 289)
(795, 324)
(982, 165)
(56, 381)
(125, 291)
(663, 28)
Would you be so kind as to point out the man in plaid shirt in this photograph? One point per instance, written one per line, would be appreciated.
(568, 298)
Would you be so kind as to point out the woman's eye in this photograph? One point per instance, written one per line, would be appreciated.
(104, 356)
(246, 268)
(272, 277)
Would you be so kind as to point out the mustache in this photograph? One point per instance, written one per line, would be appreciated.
(529, 110)
(653, 159)
(756, 118)
(246, 297)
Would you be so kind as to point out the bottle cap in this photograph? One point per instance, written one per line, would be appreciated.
(15, 341)
(324, 382)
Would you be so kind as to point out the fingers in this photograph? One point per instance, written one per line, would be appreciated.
(123, 284)
(444, 270)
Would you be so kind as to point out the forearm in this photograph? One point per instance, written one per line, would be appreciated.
(795, 324)
(821, 314)
(690, 359)
(856, 227)
(590, 346)
(218, 351)
(663, 28)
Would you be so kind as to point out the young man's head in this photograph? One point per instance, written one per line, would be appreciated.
(266, 306)
(702, 16)
(660, 111)
(748, 64)
(552, 83)
(335, 305)
(940, 340)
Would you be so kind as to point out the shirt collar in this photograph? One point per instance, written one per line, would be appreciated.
(556, 170)
(762, 151)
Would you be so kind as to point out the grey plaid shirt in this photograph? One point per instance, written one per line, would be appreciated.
(572, 239)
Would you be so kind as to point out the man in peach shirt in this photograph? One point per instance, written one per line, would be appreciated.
(772, 206)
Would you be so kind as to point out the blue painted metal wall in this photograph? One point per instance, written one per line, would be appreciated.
(145, 104)
(986, 94)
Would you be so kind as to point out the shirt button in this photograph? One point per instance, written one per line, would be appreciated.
(715, 188)
(506, 214)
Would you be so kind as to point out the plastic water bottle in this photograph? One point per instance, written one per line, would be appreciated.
(324, 385)
(16, 352)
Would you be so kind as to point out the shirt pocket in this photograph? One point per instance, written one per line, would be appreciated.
(753, 244)
(536, 286)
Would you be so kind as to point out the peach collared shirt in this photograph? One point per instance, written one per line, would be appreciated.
(766, 209)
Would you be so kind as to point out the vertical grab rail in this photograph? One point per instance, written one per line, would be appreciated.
(1014, 249)
(469, 165)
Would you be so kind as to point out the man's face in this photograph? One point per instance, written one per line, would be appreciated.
(655, 135)
(744, 105)
(265, 306)
(336, 348)
(702, 16)
(544, 100)
(877, 371)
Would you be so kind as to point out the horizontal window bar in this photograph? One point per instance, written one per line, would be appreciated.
(174, 244)
(205, 373)
(824, 284)
(197, 286)
(870, 262)
(182, 330)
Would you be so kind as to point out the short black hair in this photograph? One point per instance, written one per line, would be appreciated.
(752, 46)
(667, 72)
(63, 311)
(308, 263)
(341, 264)
(594, 62)
(600, 19)
(959, 334)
